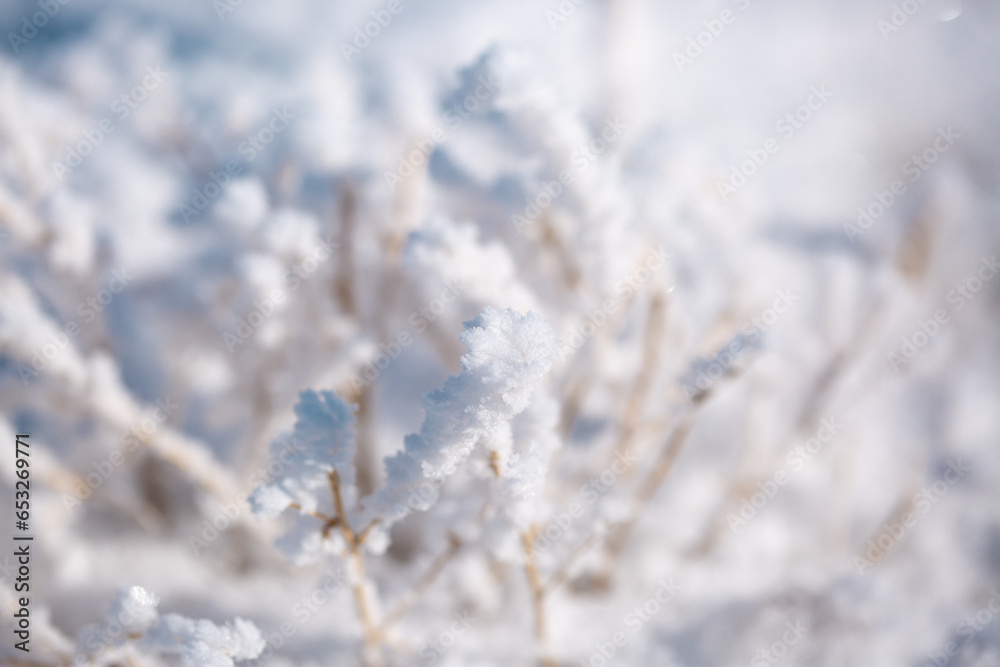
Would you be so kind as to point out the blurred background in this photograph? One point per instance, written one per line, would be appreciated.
(766, 232)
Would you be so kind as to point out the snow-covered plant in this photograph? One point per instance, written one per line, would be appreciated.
(508, 356)
(135, 628)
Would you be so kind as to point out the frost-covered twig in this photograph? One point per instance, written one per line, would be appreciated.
(508, 356)
(135, 624)
(360, 586)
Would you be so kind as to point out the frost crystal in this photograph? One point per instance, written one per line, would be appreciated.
(135, 609)
(323, 441)
(453, 253)
(202, 643)
(508, 355)
(199, 643)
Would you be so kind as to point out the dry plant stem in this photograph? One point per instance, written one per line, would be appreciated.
(438, 565)
(411, 597)
(578, 389)
(738, 485)
(343, 287)
(577, 393)
(572, 403)
(189, 456)
(263, 414)
(537, 590)
(836, 368)
(809, 417)
(360, 588)
(343, 291)
(619, 45)
(914, 257)
(538, 597)
(644, 382)
(570, 271)
(329, 522)
(404, 210)
(50, 473)
(192, 458)
(562, 573)
(904, 503)
(618, 537)
(366, 457)
(446, 345)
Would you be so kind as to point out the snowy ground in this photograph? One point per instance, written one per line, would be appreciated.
(764, 232)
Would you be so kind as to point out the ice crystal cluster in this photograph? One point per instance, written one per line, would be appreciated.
(529, 333)
(135, 628)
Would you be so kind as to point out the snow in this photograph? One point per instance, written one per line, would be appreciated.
(322, 442)
(356, 347)
(508, 355)
(201, 643)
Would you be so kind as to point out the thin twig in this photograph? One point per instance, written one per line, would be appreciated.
(537, 595)
(561, 575)
(412, 596)
(619, 535)
(808, 419)
(373, 646)
(647, 372)
(343, 286)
